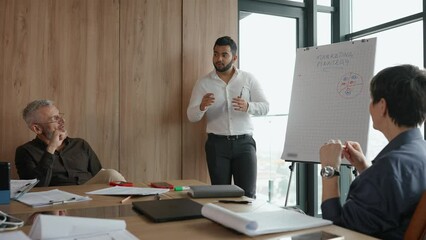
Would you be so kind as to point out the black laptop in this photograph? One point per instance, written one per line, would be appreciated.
(169, 209)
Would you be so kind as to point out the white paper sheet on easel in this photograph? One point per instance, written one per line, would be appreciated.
(329, 98)
(64, 228)
(258, 223)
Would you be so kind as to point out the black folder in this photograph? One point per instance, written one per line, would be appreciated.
(169, 209)
(215, 191)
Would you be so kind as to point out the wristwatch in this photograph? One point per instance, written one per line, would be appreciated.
(329, 172)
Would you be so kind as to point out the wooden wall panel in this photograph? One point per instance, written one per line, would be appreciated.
(203, 22)
(66, 51)
(150, 89)
(88, 46)
(121, 70)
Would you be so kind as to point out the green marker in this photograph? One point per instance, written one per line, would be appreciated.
(181, 188)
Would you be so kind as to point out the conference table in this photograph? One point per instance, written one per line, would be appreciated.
(110, 207)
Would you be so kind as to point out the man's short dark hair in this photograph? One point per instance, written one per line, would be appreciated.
(227, 41)
(404, 89)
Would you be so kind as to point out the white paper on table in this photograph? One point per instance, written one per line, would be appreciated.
(258, 223)
(21, 186)
(51, 197)
(120, 190)
(13, 235)
(64, 227)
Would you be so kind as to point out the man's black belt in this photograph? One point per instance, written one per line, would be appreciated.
(229, 137)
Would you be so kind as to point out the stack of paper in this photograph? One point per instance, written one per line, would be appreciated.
(64, 228)
(52, 197)
(128, 191)
(258, 223)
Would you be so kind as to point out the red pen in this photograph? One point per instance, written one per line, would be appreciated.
(121, 183)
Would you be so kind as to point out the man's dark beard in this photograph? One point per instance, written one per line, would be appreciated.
(224, 69)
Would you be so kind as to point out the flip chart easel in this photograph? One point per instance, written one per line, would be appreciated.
(330, 98)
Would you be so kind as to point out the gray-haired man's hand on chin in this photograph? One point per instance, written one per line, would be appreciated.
(56, 140)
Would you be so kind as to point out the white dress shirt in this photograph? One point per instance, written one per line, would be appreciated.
(222, 119)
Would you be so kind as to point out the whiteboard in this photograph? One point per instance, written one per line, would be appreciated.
(330, 98)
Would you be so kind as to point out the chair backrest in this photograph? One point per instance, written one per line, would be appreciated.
(417, 227)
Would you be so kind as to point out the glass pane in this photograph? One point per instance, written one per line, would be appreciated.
(367, 13)
(324, 28)
(324, 2)
(269, 53)
(392, 50)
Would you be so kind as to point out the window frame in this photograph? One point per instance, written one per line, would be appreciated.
(306, 15)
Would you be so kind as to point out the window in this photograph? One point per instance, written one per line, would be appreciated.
(367, 13)
(392, 50)
(324, 28)
(324, 2)
(271, 31)
(269, 53)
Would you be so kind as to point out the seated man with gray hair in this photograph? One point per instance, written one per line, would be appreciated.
(53, 157)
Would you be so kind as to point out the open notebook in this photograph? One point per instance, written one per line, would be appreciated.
(51, 197)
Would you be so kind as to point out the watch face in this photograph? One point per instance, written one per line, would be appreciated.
(327, 172)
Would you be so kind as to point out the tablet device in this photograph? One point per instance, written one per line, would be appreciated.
(169, 209)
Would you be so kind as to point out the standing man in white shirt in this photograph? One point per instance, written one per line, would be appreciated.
(229, 96)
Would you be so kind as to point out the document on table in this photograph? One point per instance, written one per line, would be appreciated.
(129, 191)
(13, 235)
(52, 197)
(74, 228)
(258, 223)
(19, 187)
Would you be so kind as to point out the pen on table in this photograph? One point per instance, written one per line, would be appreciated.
(235, 201)
(124, 200)
(23, 190)
(181, 188)
(52, 202)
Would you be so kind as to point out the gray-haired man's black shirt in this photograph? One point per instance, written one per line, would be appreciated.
(74, 164)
